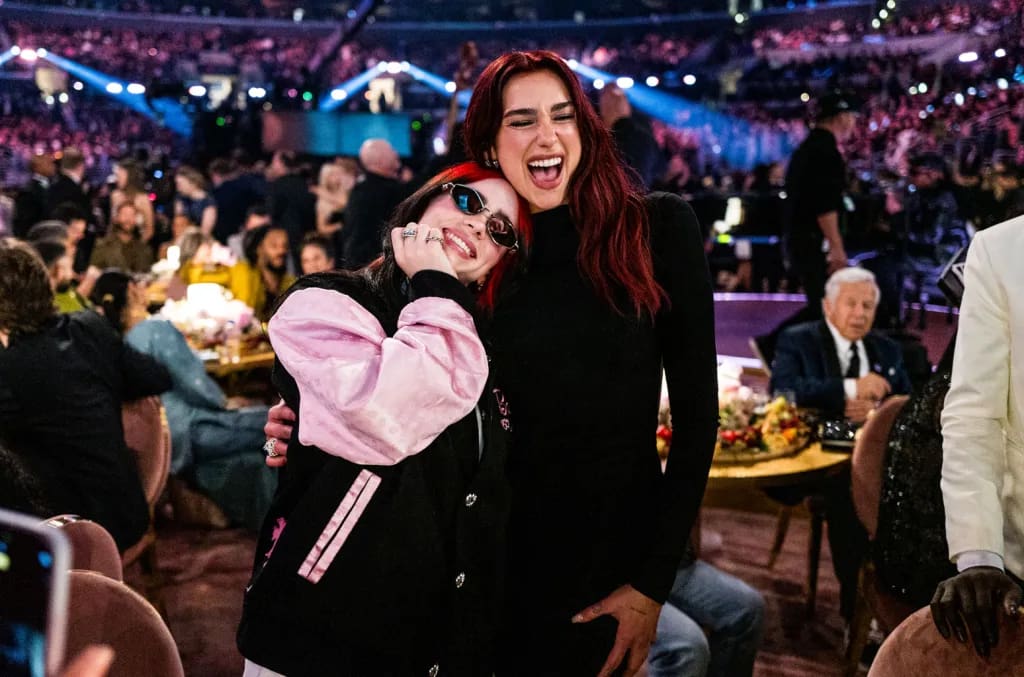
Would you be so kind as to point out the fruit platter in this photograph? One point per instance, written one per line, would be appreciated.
(752, 428)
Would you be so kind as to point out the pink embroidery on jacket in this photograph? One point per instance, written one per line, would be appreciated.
(503, 409)
(275, 534)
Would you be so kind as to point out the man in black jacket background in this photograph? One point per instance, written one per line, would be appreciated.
(31, 203)
(290, 203)
(371, 203)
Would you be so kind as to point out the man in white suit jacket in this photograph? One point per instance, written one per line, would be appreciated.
(983, 443)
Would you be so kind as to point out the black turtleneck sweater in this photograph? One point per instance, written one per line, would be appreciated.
(592, 510)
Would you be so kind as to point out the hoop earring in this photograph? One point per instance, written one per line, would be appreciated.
(491, 162)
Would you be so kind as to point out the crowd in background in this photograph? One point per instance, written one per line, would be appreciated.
(954, 17)
(746, 113)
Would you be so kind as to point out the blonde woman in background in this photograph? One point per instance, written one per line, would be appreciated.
(332, 190)
(130, 187)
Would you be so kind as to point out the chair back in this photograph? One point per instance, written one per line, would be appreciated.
(105, 611)
(92, 546)
(147, 435)
(915, 647)
(868, 457)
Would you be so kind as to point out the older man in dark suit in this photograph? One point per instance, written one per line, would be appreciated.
(838, 365)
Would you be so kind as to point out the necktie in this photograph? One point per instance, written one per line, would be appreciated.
(853, 371)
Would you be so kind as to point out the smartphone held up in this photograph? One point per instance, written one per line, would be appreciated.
(34, 563)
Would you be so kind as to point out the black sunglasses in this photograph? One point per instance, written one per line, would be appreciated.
(468, 201)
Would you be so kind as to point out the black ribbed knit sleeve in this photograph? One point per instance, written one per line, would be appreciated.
(686, 334)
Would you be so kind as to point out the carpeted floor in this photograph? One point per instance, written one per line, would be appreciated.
(206, 570)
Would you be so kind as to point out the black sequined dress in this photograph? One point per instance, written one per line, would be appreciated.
(910, 552)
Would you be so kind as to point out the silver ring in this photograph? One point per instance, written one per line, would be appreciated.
(268, 447)
(433, 238)
(409, 232)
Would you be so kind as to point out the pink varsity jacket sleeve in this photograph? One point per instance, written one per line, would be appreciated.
(370, 398)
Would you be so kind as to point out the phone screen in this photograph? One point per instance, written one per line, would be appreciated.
(33, 594)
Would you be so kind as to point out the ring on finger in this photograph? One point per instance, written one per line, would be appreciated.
(409, 232)
(433, 238)
(268, 447)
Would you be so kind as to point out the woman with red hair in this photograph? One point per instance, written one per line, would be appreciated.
(618, 288)
(376, 556)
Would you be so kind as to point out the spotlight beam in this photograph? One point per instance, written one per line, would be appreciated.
(350, 87)
(679, 112)
(172, 115)
(439, 84)
(7, 56)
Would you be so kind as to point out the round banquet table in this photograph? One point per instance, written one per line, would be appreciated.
(809, 465)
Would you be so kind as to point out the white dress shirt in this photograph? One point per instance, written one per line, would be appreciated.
(843, 350)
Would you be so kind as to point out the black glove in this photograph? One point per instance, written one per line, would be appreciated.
(969, 601)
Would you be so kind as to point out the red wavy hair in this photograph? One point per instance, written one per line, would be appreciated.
(608, 211)
(412, 208)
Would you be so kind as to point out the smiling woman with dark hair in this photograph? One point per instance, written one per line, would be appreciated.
(617, 290)
(382, 552)
(63, 379)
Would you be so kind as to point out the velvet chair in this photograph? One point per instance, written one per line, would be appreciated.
(866, 467)
(105, 611)
(92, 546)
(916, 649)
(148, 436)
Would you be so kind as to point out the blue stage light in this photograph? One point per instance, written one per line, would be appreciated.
(9, 54)
(344, 90)
(741, 144)
(171, 114)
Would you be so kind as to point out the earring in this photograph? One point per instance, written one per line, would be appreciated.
(491, 162)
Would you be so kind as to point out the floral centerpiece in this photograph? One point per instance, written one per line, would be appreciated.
(208, 317)
(752, 426)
